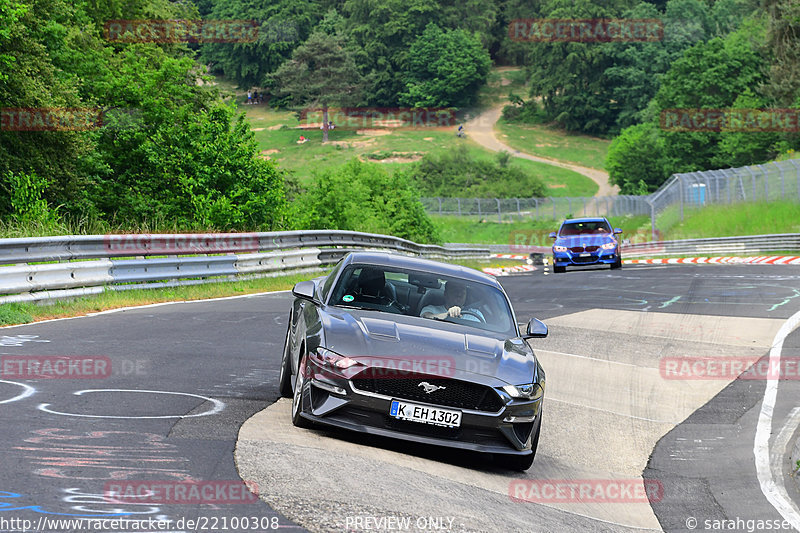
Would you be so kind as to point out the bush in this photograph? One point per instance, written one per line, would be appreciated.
(27, 205)
(459, 174)
(364, 197)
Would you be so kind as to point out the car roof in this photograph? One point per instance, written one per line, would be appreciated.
(586, 219)
(418, 263)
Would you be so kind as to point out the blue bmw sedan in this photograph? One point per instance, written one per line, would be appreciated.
(585, 241)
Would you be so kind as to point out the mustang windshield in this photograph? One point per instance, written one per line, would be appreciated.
(425, 295)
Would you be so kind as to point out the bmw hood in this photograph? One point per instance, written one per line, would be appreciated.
(584, 240)
(426, 346)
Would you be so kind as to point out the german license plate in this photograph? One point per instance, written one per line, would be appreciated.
(585, 255)
(425, 414)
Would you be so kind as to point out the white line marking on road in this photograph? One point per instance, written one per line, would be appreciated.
(779, 499)
(218, 405)
(21, 396)
(673, 422)
(596, 359)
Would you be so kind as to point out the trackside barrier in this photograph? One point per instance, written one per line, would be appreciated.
(89, 264)
(726, 246)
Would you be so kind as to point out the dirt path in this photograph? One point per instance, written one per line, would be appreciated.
(481, 130)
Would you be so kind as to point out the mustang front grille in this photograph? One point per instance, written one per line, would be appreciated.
(455, 393)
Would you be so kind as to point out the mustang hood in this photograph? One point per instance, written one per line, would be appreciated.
(419, 345)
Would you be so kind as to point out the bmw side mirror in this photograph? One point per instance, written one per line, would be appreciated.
(617, 231)
(536, 329)
(304, 290)
(552, 234)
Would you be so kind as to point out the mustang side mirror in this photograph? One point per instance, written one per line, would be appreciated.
(304, 290)
(536, 329)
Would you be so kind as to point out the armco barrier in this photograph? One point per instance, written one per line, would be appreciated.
(89, 264)
(744, 245)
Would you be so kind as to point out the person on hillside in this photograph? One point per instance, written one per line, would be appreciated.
(249, 97)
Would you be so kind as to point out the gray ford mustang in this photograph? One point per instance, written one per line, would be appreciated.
(414, 349)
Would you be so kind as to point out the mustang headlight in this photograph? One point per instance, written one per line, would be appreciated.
(528, 391)
(559, 248)
(333, 360)
(609, 246)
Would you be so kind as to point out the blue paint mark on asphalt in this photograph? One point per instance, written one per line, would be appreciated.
(8, 506)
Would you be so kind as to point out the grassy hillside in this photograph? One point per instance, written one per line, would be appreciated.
(552, 143)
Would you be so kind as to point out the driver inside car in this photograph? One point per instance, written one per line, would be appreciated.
(455, 297)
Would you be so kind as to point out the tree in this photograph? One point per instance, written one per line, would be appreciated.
(570, 76)
(444, 69)
(322, 72)
(382, 32)
(32, 80)
(783, 40)
(283, 25)
(742, 148)
(710, 75)
(636, 160)
(459, 173)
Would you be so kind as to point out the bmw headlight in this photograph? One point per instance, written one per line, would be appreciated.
(609, 246)
(559, 248)
(528, 391)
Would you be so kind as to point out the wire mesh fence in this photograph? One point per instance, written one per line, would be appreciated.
(667, 206)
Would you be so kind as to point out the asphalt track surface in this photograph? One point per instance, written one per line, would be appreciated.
(184, 378)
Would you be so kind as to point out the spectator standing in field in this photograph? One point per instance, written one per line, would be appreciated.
(249, 97)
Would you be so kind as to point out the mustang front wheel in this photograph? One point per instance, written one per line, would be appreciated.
(297, 400)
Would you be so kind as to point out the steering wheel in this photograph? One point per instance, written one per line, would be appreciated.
(476, 315)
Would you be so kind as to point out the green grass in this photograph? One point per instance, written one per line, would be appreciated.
(552, 143)
(730, 220)
(304, 160)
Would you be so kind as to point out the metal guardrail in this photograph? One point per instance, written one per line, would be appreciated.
(725, 246)
(92, 263)
(718, 246)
